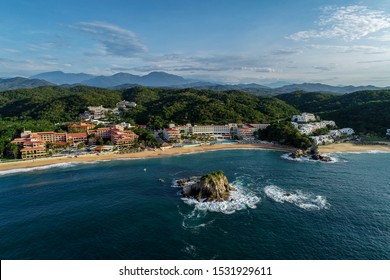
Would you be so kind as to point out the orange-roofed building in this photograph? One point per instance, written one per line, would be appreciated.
(33, 152)
(81, 127)
(76, 138)
(103, 132)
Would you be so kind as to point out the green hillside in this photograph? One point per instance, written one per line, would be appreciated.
(58, 104)
(203, 106)
(365, 111)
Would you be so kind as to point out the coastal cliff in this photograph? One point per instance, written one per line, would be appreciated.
(210, 187)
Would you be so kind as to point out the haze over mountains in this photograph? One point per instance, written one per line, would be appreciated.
(162, 79)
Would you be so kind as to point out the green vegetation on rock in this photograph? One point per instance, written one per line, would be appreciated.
(365, 111)
(286, 134)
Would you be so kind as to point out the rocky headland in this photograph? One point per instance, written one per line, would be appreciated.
(210, 187)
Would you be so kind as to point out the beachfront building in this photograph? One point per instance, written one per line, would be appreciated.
(122, 137)
(171, 134)
(31, 146)
(246, 131)
(304, 118)
(51, 137)
(116, 134)
(388, 132)
(212, 131)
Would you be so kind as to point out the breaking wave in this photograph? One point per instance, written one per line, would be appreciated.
(29, 169)
(364, 152)
(239, 200)
(301, 159)
(298, 198)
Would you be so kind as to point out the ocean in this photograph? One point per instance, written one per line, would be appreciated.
(119, 210)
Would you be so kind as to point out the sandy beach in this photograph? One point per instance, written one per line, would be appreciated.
(144, 154)
(343, 147)
(349, 147)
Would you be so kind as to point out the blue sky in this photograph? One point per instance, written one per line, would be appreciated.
(333, 42)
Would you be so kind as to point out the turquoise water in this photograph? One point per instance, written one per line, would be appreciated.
(116, 210)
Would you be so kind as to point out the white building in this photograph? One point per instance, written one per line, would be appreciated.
(171, 134)
(126, 104)
(335, 133)
(304, 118)
(213, 131)
(322, 139)
(97, 112)
(309, 128)
(388, 132)
(347, 131)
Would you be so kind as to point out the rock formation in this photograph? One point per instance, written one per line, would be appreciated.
(210, 187)
(312, 153)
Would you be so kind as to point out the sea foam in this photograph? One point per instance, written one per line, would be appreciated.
(308, 159)
(298, 198)
(29, 169)
(239, 200)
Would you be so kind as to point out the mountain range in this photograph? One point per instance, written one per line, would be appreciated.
(162, 79)
(19, 82)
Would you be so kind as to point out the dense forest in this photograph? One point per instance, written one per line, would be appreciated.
(365, 111)
(59, 104)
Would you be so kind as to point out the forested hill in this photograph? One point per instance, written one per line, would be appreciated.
(204, 106)
(365, 111)
(155, 105)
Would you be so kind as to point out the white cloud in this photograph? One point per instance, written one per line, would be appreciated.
(114, 40)
(347, 23)
(12, 67)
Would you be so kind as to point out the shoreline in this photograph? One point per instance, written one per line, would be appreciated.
(22, 164)
(350, 147)
(329, 149)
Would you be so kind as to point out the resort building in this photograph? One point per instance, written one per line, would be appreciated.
(309, 128)
(322, 139)
(212, 131)
(347, 131)
(246, 131)
(336, 133)
(126, 104)
(171, 134)
(304, 118)
(76, 138)
(31, 146)
(102, 132)
(39, 139)
(123, 138)
(52, 137)
(80, 127)
(388, 132)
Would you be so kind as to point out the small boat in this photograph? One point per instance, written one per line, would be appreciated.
(161, 180)
(145, 169)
